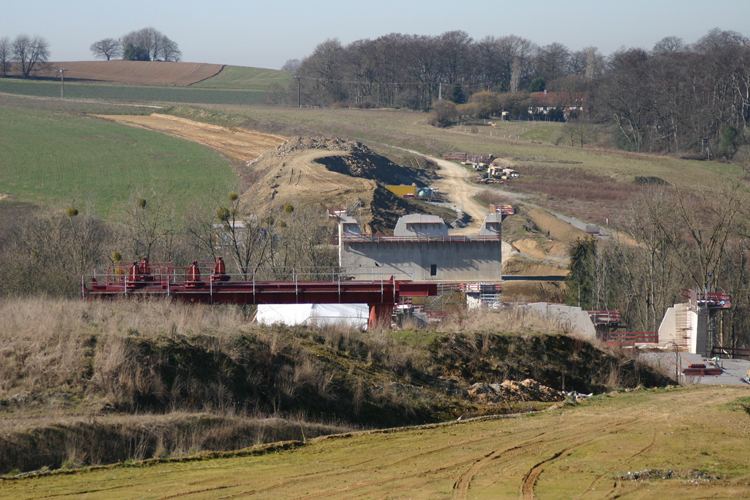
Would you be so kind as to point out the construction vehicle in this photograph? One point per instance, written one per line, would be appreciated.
(503, 173)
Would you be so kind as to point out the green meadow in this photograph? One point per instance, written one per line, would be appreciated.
(62, 159)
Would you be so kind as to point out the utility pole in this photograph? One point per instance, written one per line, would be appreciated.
(62, 82)
(299, 92)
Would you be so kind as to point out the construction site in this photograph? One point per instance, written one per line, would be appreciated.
(398, 257)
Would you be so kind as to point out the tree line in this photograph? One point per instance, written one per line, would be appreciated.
(665, 99)
(677, 239)
(48, 251)
(147, 44)
(29, 52)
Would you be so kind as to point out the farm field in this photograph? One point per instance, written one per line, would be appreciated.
(674, 443)
(130, 72)
(241, 77)
(242, 144)
(133, 93)
(59, 159)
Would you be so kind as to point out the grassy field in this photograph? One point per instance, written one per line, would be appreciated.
(137, 93)
(58, 158)
(683, 443)
(244, 78)
(408, 129)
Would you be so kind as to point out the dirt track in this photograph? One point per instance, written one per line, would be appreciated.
(454, 185)
(242, 144)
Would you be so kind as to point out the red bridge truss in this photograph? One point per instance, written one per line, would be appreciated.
(208, 282)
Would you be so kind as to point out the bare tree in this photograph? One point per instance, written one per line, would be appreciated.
(168, 50)
(552, 61)
(149, 44)
(30, 52)
(291, 65)
(151, 227)
(107, 48)
(245, 235)
(5, 55)
(668, 45)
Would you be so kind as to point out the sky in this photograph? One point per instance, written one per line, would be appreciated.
(266, 34)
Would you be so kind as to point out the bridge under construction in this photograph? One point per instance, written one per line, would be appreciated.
(209, 283)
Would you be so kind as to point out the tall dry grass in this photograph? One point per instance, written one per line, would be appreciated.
(78, 441)
(513, 320)
(47, 342)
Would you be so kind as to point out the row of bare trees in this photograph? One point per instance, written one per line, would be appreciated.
(28, 52)
(674, 97)
(668, 99)
(677, 239)
(49, 252)
(414, 70)
(147, 44)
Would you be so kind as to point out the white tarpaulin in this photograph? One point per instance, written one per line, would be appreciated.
(354, 315)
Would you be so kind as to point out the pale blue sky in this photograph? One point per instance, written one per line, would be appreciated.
(266, 34)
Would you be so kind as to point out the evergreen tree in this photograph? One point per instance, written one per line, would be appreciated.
(457, 95)
(537, 85)
(580, 280)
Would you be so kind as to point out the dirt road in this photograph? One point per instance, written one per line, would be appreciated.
(245, 145)
(453, 184)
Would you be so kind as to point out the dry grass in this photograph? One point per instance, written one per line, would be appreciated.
(75, 441)
(83, 378)
(47, 343)
(510, 320)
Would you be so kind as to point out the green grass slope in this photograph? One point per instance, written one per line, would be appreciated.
(136, 93)
(53, 158)
(244, 78)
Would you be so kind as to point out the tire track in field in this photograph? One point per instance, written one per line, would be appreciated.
(461, 487)
(617, 466)
(529, 479)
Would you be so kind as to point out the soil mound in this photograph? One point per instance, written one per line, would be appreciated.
(528, 390)
(334, 173)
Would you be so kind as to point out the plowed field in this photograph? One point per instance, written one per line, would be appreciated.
(686, 443)
(135, 72)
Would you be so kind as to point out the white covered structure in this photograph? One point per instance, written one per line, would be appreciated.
(348, 315)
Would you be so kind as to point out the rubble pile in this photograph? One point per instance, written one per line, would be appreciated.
(327, 143)
(527, 390)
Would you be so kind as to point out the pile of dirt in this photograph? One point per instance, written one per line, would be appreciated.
(360, 161)
(334, 173)
(527, 390)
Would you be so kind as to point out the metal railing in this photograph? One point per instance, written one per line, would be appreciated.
(362, 238)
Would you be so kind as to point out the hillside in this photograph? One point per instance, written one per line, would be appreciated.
(95, 372)
(150, 81)
(131, 72)
(684, 443)
(57, 158)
